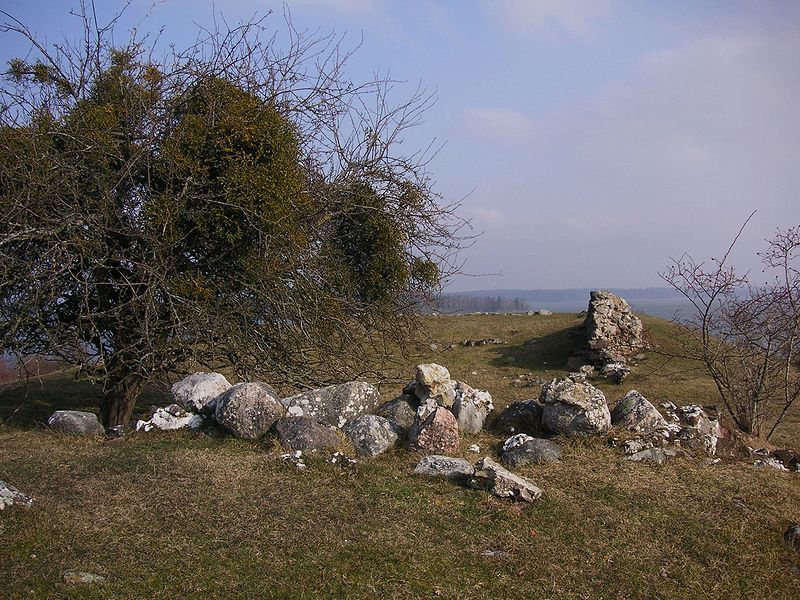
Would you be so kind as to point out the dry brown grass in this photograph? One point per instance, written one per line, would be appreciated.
(180, 515)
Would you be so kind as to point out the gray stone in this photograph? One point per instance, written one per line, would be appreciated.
(75, 422)
(434, 386)
(437, 433)
(503, 483)
(523, 449)
(302, 433)
(455, 469)
(615, 372)
(248, 410)
(82, 578)
(637, 413)
(654, 455)
(544, 312)
(471, 407)
(521, 417)
(334, 405)
(635, 445)
(699, 431)
(11, 496)
(574, 408)
(401, 411)
(372, 435)
(170, 418)
(199, 391)
(613, 331)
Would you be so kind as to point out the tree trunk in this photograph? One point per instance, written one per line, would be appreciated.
(119, 401)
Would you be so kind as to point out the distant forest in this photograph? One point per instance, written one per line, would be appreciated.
(458, 303)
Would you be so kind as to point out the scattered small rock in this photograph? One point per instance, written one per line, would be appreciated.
(11, 496)
(474, 448)
(503, 483)
(82, 578)
(170, 418)
(482, 342)
(770, 462)
(655, 455)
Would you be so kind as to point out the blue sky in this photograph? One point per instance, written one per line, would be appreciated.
(590, 140)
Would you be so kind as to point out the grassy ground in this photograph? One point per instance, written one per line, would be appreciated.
(181, 515)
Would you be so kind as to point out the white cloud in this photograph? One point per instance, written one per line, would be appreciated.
(498, 124)
(526, 16)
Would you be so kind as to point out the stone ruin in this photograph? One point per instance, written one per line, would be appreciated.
(614, 335)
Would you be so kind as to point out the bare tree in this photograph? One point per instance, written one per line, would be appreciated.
(746, 335)
(240, 203)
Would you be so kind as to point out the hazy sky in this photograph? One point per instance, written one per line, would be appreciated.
(591, 140)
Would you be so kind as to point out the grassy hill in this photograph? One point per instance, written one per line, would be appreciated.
(187, 516)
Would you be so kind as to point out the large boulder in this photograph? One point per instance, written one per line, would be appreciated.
(636, 413)
(574, 408)
(75, 422)
(522, 449)
(198, 391)
(471, 407)
(372, 435)
(334, 405)
(436, 465)
(613, 331)
(302, 433)
(400, 411)
(434, 386)
(248, 410)
(436, 433)
(503, 483)
(10, 496)
(524, 416)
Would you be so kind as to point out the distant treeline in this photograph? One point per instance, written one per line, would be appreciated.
(458, 303)
(578, 294)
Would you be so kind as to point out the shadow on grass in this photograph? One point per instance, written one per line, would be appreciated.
(29, 404)
(543, 353)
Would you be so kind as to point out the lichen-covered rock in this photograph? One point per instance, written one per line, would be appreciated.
(199, 391)
(401, 411)
(434, 386)
(522, 449)
(372, 435)
(75, 422)
(302, 433)
(11, 496)
(574, 408)
(521, 417)
(248, 410)
(503, 483)
(636, 413)
(170, 418)
(455, 469)
(471, 407)
(613, 331)
(437, 433)
(334, 405)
